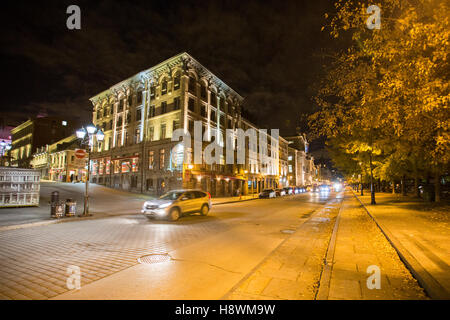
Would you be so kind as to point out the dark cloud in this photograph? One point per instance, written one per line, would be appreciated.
(269, 52)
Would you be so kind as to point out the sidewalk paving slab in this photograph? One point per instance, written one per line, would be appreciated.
(360, 244)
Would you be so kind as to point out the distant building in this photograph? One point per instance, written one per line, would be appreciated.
(19, 187)
(57, 162)
(302, 170)
(33, 134)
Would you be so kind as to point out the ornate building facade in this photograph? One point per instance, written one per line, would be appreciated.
(139, 115)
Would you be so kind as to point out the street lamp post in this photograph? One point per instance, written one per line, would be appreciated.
(87, 136)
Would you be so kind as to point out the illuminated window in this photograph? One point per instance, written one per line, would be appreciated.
(163, 131)
(126, 166)
(134, 165)
(152, 111)
(152, 92)
(151, 160)
(290, 158)
(118, 139)
(107, 166)
(137, 135)
(175, 125)
(164, 87)
(161, 159)
(176, 82)
(64, 123)
(100, 167)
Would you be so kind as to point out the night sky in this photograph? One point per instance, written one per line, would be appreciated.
(272, 53)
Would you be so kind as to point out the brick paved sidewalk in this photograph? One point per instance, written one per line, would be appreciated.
(360, 244)
(293, 270)
(420, 229)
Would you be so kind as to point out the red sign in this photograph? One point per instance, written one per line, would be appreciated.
(80, 153)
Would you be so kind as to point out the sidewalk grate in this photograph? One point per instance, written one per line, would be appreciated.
(287, 231)
(154, 258)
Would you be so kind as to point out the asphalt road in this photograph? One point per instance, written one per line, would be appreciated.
(207, 256)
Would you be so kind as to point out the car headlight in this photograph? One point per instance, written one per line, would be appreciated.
(164, 205)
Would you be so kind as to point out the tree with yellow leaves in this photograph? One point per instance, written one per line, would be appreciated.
(389, 91)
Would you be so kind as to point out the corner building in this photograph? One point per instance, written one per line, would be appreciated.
(138, 117)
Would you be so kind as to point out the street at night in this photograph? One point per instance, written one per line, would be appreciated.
(225, 159)
(253, 249)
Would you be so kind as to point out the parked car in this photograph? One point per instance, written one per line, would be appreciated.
(267, 193)
(177, 203)
(289, 190)
(300, 189)
(280, 192)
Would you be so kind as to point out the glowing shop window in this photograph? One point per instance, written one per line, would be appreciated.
(125, 166)
(108, 167)
(134, 165)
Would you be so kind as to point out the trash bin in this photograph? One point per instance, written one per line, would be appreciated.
(71, 207)
(56, 206)
(57, 209)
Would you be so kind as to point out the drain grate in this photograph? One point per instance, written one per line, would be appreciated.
(288, 231)
(154, 258)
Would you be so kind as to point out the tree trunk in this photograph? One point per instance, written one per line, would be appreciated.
(437, 186)
(416, 180)
(372, 189)
(403, 186)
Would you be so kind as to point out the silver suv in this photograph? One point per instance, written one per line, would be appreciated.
(176, 203)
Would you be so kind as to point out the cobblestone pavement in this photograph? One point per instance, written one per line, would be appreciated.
(360, 244)
(293, 270)
(34, 261)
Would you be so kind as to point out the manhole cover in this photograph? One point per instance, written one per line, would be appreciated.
(154, 258)
(287, 231)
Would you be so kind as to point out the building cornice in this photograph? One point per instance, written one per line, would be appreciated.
(183, 61)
